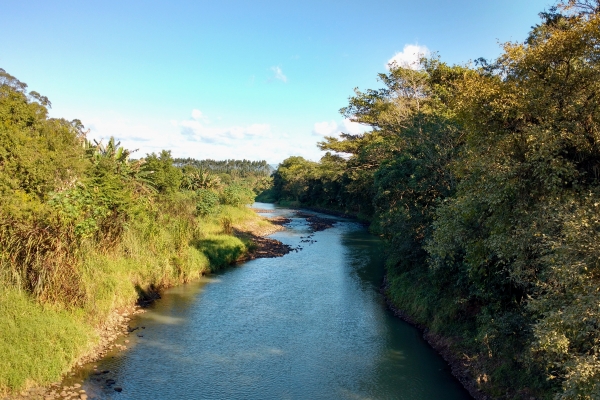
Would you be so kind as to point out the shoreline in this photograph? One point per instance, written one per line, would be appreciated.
(117, 326)
(459, 369)
(442, 345)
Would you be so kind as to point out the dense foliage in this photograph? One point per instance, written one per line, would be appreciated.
(85, 229)
(484, 181)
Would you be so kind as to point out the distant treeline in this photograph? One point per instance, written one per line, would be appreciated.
(484, 181)
(241, 168)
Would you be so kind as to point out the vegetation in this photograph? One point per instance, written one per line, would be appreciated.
(484, 181)
(86, 230)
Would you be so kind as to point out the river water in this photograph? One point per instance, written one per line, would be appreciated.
(309, 325)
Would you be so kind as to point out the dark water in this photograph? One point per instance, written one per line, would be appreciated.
(310, 325)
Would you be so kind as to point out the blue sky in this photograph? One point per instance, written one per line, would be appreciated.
(234, 79)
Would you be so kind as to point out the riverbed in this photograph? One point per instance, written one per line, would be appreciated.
(309, 325)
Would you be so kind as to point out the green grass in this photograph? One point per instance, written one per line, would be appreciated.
(38, 344)
(221, 250)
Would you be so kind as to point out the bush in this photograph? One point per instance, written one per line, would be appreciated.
(238, 195)
(207, 203)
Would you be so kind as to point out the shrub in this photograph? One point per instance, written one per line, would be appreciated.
(238, 195)
(207, 203)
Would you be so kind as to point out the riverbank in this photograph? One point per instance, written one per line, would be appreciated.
(97, 332)
(445, 346)
(459, 363)
(247, 331)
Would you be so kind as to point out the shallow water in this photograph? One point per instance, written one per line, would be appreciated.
(309, 325)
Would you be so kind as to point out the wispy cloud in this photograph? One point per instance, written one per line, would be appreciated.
(204, 136)
(278, 75)
(409, 57)
(197, 131)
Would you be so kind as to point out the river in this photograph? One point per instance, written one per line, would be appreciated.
(309, 325)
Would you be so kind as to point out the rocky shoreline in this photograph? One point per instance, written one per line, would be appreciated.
(316, 223)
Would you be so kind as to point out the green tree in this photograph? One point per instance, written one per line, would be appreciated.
(162, 172)
(291, 179)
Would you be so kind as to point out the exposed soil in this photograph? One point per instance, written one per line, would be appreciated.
(280, 220)
(316, 223)
(264, 247)
(262, 210)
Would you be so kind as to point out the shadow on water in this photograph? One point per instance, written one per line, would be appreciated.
(311, 324)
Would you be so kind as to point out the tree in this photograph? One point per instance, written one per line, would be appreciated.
(290, 181)
(163, 174)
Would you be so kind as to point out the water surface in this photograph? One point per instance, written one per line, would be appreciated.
(309, 325)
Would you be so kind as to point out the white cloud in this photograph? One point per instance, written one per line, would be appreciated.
(278, 74)
(354, 128)
(409, 57)
(218, 140)
(332, 128)
(197, 115)
(326, 128)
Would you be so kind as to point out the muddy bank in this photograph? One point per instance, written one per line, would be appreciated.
(459, 364)
(316, 223)
(262, 210)
(264, 247)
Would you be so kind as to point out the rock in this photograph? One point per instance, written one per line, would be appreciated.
(83, 396)
(77, 385)
(118, 389)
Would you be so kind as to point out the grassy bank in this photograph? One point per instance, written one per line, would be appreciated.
(86, 232)
(41, 341)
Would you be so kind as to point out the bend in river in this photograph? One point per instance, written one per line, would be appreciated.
(311, 324)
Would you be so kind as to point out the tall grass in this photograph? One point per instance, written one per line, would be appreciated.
(41, 258)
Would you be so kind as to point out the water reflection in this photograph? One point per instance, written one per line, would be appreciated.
(309, 325)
